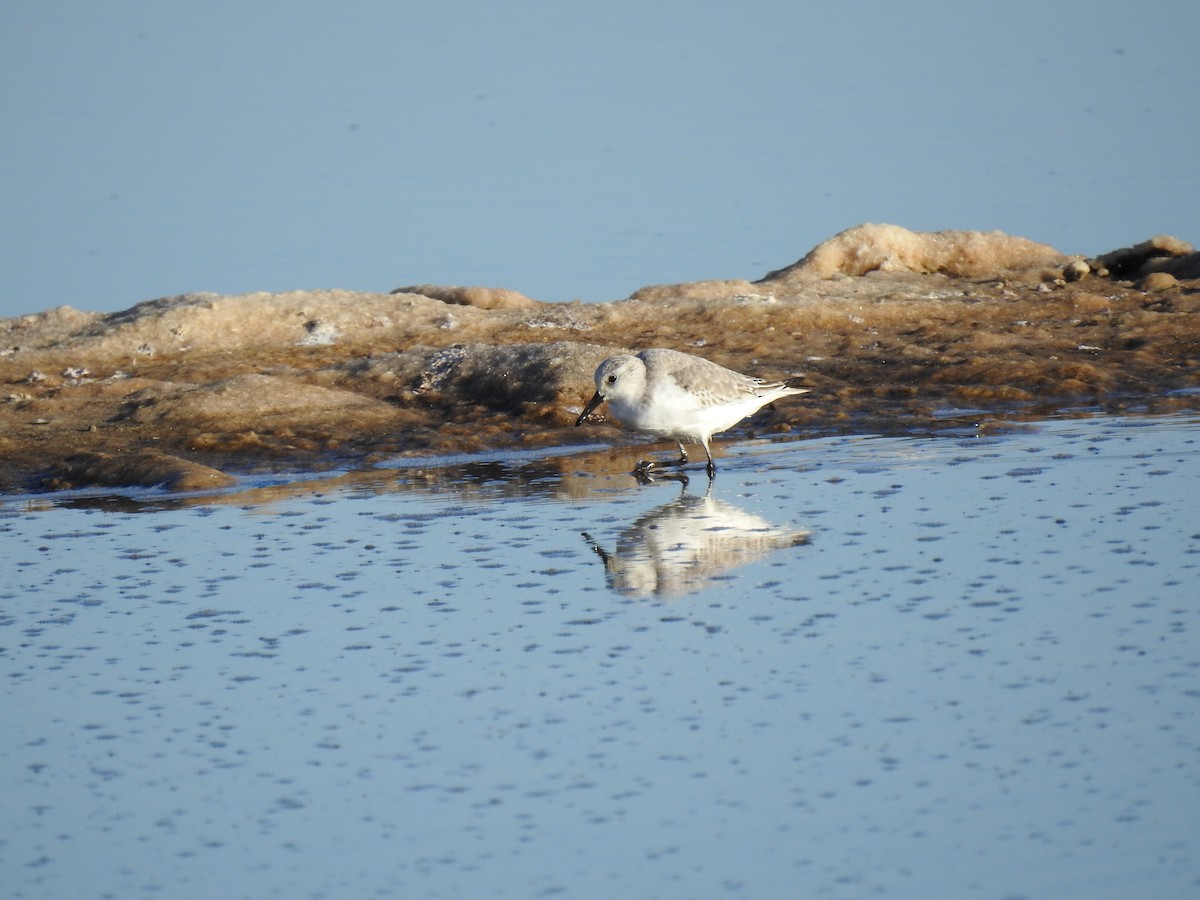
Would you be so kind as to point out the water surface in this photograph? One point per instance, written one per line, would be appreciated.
(943, 667)
(582, 150)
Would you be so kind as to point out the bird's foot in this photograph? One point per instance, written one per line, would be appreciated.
(647, 471)
(648, 464)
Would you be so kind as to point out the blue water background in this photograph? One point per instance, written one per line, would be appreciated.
(570, 150)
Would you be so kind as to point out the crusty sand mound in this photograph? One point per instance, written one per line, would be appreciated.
(890, 248)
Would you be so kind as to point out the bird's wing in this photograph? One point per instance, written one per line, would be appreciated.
(708, 382)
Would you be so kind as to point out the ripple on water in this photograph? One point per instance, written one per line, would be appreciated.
(917, 666)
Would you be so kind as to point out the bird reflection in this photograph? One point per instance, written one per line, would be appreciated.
(683, 546)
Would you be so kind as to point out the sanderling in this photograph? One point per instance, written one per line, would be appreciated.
(679, 396)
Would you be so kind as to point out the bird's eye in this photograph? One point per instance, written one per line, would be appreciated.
(612, 379)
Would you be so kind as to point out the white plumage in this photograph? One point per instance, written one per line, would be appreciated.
(682, 397)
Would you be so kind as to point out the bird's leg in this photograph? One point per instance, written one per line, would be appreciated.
(712, 466)
(682, 454)
(597, 549)
(648, 475)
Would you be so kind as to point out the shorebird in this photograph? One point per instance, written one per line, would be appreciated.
(679, 396)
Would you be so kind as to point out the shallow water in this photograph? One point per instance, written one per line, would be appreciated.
(942, 667)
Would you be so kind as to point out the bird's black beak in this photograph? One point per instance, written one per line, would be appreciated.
(596, 400)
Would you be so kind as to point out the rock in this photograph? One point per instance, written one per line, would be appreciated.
(481, 297)
(38, 328)
(254, 403)
(1159, 253)
(1076, 269)
(196, 324)
(889, 248)
(1157, 282)
(693, 290)
(140, 468)
(1186, 266)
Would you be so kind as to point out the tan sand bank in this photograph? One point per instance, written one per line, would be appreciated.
(890, 327)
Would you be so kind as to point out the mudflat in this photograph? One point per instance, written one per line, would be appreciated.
(890, 328)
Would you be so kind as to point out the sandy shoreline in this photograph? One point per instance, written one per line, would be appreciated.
(889, 327)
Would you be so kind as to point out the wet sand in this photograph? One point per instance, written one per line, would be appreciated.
(893, 330)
